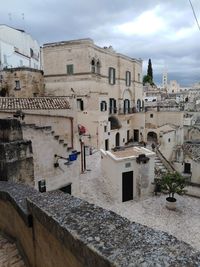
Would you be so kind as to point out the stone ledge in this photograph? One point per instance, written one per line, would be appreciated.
(95, 236)
(92, 233)
(16, 194)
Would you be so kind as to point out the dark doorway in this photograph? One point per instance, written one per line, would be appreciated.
(187, 168)
(107, 144)
(67, 189)
(136, 135)
(152, 137)
(117, 139)
(128, 135)
(127, 186)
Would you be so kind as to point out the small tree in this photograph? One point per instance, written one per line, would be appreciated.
(147, 79)
(150, 70)
(173, 183)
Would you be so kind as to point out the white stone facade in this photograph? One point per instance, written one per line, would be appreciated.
(18, 49)
(123, 168)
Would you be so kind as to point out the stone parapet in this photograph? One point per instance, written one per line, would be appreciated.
(68, 231)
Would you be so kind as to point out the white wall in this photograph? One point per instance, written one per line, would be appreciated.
(44, 148)
(16, 45)
(143, 175)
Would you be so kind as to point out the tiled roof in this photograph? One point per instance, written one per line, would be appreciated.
(34, 103)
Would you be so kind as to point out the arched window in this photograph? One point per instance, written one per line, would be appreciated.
(126, 106)
(98, 67)
(117, 139)
(128, 78)
(138, 104)
(93, 66)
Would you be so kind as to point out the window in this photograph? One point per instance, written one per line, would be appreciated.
(103, 106)
(169, 140)
(17, 85)
(80, 104)
(151, 115)
(128, 121)
(111, 75)
(31, 52)
(70, 69)
(93, 66)
(98, 67)
(105, 128)
(126, 106)
(128, 78)
(139, 77)
(113, 105)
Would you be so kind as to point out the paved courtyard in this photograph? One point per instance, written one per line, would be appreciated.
(184, 223)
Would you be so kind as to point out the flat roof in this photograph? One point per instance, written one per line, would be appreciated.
(129, 152)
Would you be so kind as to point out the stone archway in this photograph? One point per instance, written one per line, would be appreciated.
(152, 137)
(114, 123)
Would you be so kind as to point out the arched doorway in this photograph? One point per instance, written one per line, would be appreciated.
(138, 104)
(117, 139)
(126, 106)
(114, 123)
(152, 137)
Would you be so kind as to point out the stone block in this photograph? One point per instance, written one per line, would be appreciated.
(10, 130)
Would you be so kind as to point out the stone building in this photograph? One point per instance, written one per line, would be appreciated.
(51, 124)
(107, 85)
(18, 49)
(21, 82)
(173, 87)
(129, 172)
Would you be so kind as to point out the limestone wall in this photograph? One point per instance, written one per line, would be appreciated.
(30, 82)
(56, 229)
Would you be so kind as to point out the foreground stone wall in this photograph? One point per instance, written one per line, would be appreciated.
(56, 229)
(16, 159)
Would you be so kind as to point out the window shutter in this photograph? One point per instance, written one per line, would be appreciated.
(115, 106)
(101, 106)
(109, 75)
(113, 76)
(105, 105)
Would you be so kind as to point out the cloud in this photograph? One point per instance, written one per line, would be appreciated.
(164, 31)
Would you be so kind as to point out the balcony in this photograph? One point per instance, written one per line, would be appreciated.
(126, 111)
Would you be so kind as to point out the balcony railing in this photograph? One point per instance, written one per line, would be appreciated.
(126, 111)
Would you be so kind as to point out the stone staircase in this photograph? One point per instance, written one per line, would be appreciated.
(9, 254)
(159, 167)
(61, 140)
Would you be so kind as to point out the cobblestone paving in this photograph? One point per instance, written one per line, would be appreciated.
(184, 223)
(9, 255)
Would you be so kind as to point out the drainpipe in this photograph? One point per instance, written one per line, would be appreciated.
(72, 133)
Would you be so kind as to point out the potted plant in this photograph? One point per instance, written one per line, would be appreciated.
(172, 183)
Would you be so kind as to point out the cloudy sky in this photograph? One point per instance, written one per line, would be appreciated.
(164, 30)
